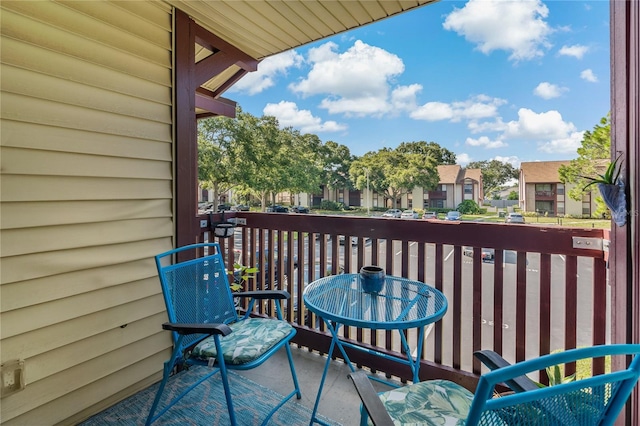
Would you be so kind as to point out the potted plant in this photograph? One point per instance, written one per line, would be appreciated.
(611, 187)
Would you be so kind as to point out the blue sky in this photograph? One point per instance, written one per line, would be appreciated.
(487, 79)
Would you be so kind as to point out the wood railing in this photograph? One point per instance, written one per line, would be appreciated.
(545, 287)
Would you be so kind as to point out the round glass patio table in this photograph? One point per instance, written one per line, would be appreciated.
(401, 304)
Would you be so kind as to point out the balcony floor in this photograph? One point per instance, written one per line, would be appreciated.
(339, 401)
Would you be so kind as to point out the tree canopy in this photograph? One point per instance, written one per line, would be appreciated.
(495, 173)
(393, 173)
(439, 154)
(594, 152)
(255, 156)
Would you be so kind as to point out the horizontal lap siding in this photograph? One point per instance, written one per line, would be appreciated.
(86, 161)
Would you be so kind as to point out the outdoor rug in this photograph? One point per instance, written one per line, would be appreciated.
(206, 404)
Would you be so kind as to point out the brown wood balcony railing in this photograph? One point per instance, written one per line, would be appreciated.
(521, 290)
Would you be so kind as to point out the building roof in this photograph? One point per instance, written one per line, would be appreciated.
(542, 171)
(474, 174)
(449, 173)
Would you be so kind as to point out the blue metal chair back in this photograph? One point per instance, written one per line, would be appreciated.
(591, 401)
(196, 291)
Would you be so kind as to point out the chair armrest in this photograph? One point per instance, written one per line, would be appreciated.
(494, 361)
(377, 413)
(182, 328)
(264, 294)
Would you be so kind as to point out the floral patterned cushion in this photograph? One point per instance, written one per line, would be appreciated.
(248, 341)
(433, 402)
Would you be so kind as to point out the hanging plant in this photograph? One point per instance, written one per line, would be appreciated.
(612, 190)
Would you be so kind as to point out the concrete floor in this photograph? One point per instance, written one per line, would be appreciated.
(339, 401)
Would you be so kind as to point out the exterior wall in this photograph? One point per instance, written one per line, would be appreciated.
(86, 202)
(530, 198)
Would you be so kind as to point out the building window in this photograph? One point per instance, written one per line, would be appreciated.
(560, 207)
(468, 188)
(543, 187)
(544, 208)
(409, 200)
(375, 200)
(436, 204)
(560, 189)
(586, 204)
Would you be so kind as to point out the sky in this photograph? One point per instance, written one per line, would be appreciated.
(512, 80)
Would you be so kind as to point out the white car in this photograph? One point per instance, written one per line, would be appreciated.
(409, 214)
(514, 218)
(430, 215)
(392, 213)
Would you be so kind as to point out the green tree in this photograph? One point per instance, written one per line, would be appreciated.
(513, 195)
(215, 171)
(439, 154)
(594, 153)
(264, 159)
(393, 173)
(495, 173)
(336, 162)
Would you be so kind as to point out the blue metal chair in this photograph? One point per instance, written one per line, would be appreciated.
(205, 326)
(590, 401)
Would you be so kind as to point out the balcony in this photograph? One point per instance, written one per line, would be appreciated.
(532, 287)
(545, 290)
(437, 195)
(545, 195)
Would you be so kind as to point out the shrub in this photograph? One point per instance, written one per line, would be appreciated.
(468, 207)
(331, 205)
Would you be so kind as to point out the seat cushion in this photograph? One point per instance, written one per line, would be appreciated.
(433, 402)
(249, 340)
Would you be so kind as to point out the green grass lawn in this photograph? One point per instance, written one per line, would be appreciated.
(542, 220)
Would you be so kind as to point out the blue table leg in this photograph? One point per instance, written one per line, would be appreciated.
(335, 341)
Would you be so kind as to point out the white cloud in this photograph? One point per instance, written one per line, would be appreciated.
(463, 159)
(517, 27)
(357, 82)
(260, 80)
(513, 160)
(433, 111)
(545, 126)
(474, 108)
(549, 91)
(404, 97)
(566, 145)
(485, 142)
(577, 50)
(589, 76)
(487, 126)
(289, 115)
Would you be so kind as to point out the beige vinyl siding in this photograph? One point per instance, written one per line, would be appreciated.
(86, 201)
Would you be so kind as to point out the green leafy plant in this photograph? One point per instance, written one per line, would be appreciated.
(241, 274)
(609, 177)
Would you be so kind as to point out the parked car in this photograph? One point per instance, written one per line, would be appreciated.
(430, 215)
(453, 215)
(392, 213)
(299, 209)
(514, 218)
(409, 214)
(487, 253)
(276, 208)
(241, 208)
(223, 207)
